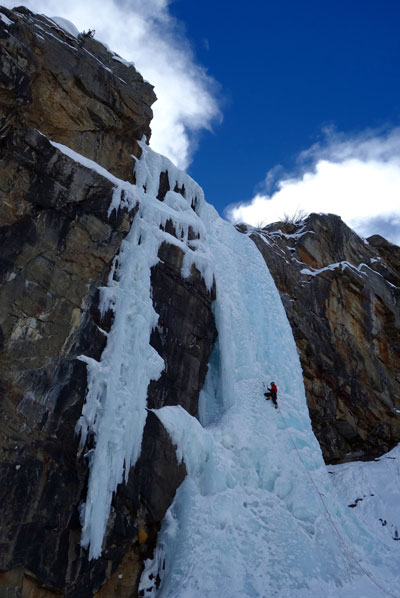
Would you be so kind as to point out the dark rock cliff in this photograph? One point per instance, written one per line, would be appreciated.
(341, 295)
(57, 248)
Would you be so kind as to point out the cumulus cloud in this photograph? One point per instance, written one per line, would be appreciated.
(145, 33)
(357, 178)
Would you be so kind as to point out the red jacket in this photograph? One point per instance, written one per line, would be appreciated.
(274, 389)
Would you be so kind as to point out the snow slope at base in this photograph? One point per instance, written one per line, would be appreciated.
(372, 490)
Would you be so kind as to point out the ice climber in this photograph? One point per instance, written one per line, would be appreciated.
(272, 394)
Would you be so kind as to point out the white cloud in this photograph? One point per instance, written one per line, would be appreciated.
(145, 33)
(357, 178)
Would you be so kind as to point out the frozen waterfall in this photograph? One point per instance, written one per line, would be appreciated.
(257, 515)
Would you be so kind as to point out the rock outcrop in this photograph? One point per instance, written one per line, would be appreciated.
(341, 295)
(73, 90)
(58, 243)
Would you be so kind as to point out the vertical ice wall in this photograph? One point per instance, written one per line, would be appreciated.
(257, 515)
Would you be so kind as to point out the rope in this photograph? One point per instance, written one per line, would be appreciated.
(348, 550)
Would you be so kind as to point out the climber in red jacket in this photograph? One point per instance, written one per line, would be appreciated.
(272, 394)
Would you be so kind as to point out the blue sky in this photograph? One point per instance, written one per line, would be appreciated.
(272, 106)
(287, 71)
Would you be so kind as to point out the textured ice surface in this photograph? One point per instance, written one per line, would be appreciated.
(114, 412)
(258, 514)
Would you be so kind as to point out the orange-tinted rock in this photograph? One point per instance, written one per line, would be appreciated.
(73, 90)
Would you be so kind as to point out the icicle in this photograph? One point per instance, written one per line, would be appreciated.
(115, 407)
(114, 412)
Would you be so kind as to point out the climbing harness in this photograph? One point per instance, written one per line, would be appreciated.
(346, 546)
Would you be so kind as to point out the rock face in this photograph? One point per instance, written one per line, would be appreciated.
(58, 243)
(73, 90)
(341, 295)
(57, 246)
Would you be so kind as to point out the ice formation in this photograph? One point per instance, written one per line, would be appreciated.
(257, 514)
(115, 409)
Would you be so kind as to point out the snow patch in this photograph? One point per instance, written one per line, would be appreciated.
(194, 444)
(66, 26)
(338, 266)
(371, 490)
(47, 32)
(97, 60)
(122, 60)
(5, 19)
